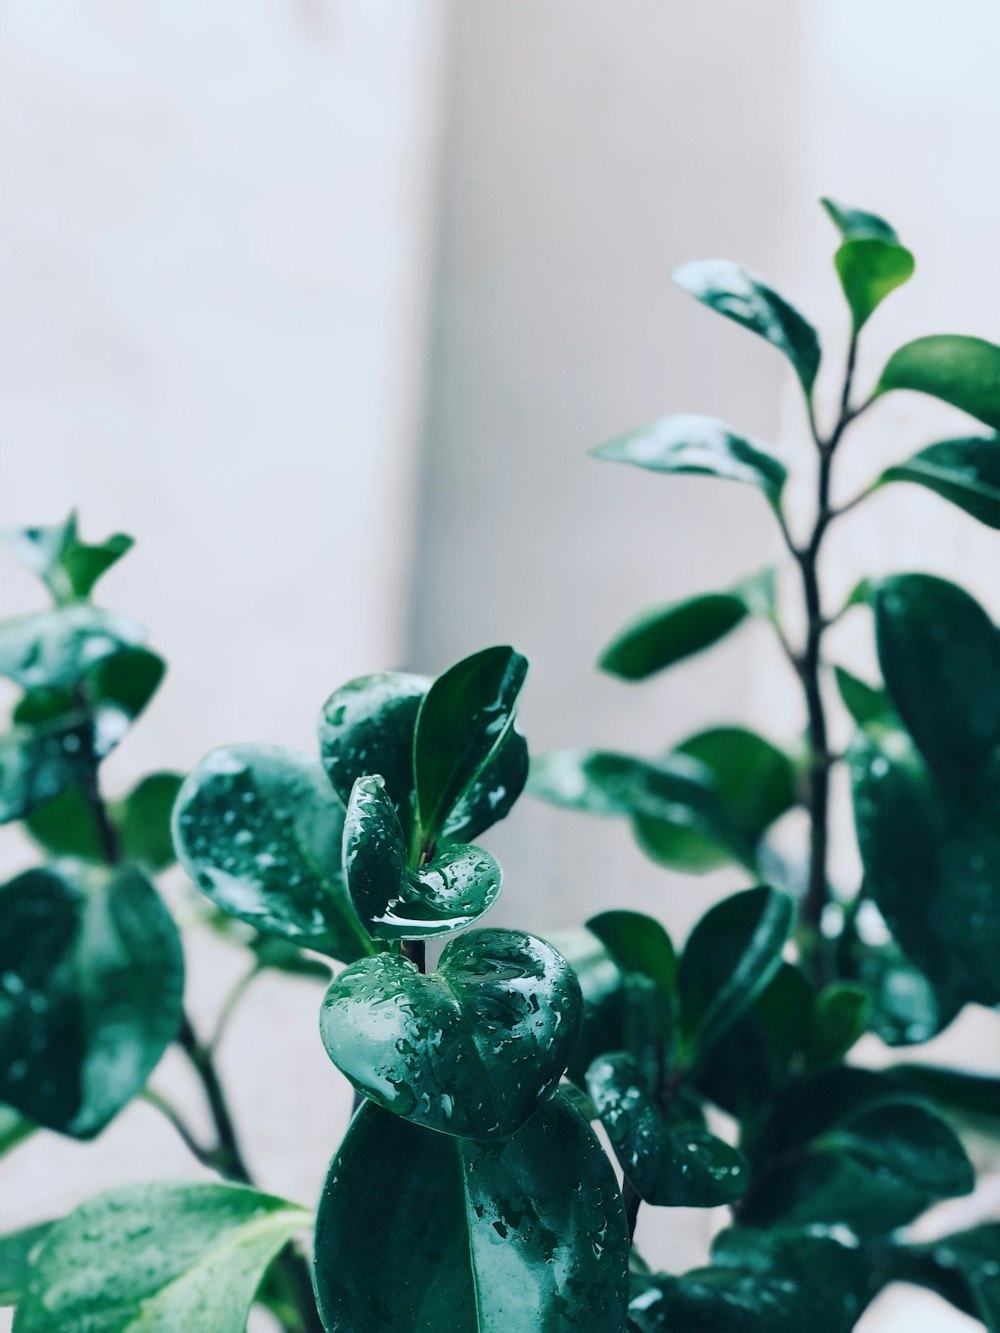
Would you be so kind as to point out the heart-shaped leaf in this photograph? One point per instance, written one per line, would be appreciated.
(472, 1049)
(731, 955)
(441, 895)
(148, 1258)
(940, 657)
(962, 371)
(966, 472)
(91, 981)
(462, 722)
(741, 296)
(679, 1166)
(259, 830)
(367, 727)
(698, 446)
(871, 263)
(68, 567)
(526, 1234)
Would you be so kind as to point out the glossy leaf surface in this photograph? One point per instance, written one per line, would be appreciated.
(733, 951)
(91, 981)
(67, 566)
(870, 263)
(741, 296)
(17, 1250)
(602, 1026)
(940, 657)
(259, 829)
(698, 446)
(781, 1282)
(472, 1049)
(472, 1237)
(966, 472)
(964, 372)
(848, 1147)
(679, 1167)
(367, 727)
(58, 647)
(152, 1258)
(490, 796)
(462, 722)
(441, 895)
(638, 943)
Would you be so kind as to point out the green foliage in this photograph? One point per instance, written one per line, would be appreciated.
(469, 1192)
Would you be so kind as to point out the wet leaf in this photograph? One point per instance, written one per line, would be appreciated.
(733, 952)
(57, 648)
(68, 567)
(367, 727)
(462, 722)
(472, 1049)
(966, 472)
(698, 446)
(676, 1166)
(871, 263)
(964, 372)
(91, 981)
(603, 1024)
(259, 830)
(446, 893)
(490, 797)
(741, 296)
(148, 1258)
(17, 1250)
(848, 1147)
(525, 1234)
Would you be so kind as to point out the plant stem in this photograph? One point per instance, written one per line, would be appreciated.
(291, 1265)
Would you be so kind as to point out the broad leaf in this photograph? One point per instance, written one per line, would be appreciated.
(940, 657)
(741, 296)
(91, 982)
(871, 263)
(839, 1020)
(17, 1252)
(974, 1096)
(644, 955)
(679, 1166)
(663, 636)
(472, 1049)
(639, 944)
(464, 719)
(367, 727)
(963, 1268)
(699, 446)
(964, 372)
(259, 830)
(58, 647)
(68, 567)
(781, 1282)
(148, 1258)
(490, 797)
(449, 891)
(848, 1147)
(932, 866)
(733, 951)
(67, 826)
(602, 1027)
(423, 1231)
(966, 472)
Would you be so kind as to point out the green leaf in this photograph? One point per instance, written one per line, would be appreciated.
(965, 471)
(279, 955)
(465, 717)
(143, 820)
(638, 944)
(14, 1129)
(66, 826)
(740, 295)
(865, 703)
(446, 893)
(662, 636)
(847, 1147)
(603, 1024)
(733, 952)
(678, 1167)
(148, 1258)
(367, 727)
(91, 982)
(964, 372)
(975, 1096)
(839, 1019)
(68, 567)
(490, 797)
(760, 1282)
(17, 1251)
(472, 1049)
(932, 866)
(259, 830)
(871, 263)
(963, 1268)
(698, 446)
(526, 1234)
(940, 657)
(57, 648)
(644, 955)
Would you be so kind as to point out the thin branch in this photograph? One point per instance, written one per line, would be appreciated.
(180, 1125)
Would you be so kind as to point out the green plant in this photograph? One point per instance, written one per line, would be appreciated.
(470, 1193)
